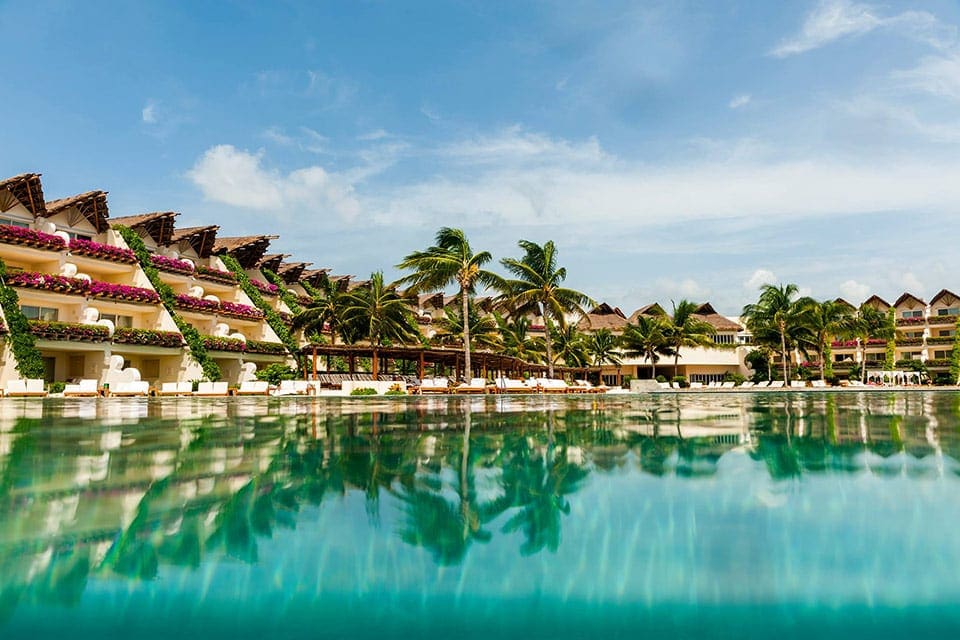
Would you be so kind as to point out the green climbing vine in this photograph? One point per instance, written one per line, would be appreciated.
(273, 318)
(891, 353)
(955, 356)
(288, 298)
(211, 370)
(24, 345)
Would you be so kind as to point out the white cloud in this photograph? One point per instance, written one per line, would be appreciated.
(855, 292)
(759, 278)
(237, 177)
(833, 20)
(376, 134)
(430, 112)
(149, 113)
(910, 282)
(514, 144)
(936, 75)
(739, 101)
(277, 135)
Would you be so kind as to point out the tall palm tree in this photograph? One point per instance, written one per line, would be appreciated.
(483, 329)
(647, 339)
(325, 312)
(451, 260)
(604, 347)
(516, 340)
(778, 319)
(685, 329)
(381, 314)
(571, 346)
(536, 287)
(825, 321)
(869, 322)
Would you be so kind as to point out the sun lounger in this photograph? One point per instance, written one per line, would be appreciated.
(819, 384)
(776, 384)
(175, 389)
(84, 389)
(509, 385)
(713, 384)
(254, 388)
(798, 384)
(584, 386)
(674, 385)
(663, 385)
(476, 385)
(434, 385)
(30, 388)
(763, 384)
(212, 389)
(130, 389)
(728, 385)
(749, 384)
(549, 385)
(697, 385)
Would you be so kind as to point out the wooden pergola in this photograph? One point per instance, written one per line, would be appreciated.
(90, 206)
(483, 362)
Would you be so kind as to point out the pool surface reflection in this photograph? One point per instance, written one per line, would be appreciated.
(726, 515)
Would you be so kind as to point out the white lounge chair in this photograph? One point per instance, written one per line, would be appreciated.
(254, 388)
(509, 385)
(549, 385)
(212, 389)
(798, 384)
(696, 385)
(30, 388)
(584, 386)
(476, 385)
(776, 384)
(663, 385)
(819, 384)
(434, 385)
(130, 389)
(175, 389)
(728, 385)
(86, 388)
(763, 384)
(749, 384)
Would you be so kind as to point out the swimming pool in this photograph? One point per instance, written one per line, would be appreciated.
(697, 515)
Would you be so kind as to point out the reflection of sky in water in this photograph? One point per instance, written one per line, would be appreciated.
(830, 515)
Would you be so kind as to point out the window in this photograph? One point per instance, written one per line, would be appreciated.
(912, 314)
(120, 322)
(907, 355)
(78, 236)
(952, 311)
(723, 338)
(47, 314)
(942, 355)
(13, 222)
(876, 357)
(947, 333)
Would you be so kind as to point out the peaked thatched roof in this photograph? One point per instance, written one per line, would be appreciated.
(946, 296)
(708, 314)
(291, 271)
(201, 239)
(247, 250)
(653, 309)
(877, 302)
(908, 298)
(430, 300)
(846, 304)
(603, 316)
(158, 225)
(26, 189)
(91, 206)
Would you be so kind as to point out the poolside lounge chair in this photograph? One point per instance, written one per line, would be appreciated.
(205, 389)
(84, 389)
(476, 385)
(697, 385)
(819, 384)
(30, 388)
(749, 384)
(663, 385)
(713, 384)
(549, 385)
(175, 389)
(130, 389)
(776, 384)
(434, 385)
(254, 388)
(798, 384)
(293, 388)
(763, 384)
(728, 385)
(509, 385)
(584, 386)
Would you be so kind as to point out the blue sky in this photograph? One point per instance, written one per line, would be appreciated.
(671, 149)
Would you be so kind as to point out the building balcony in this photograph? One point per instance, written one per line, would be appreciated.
(911, 322)
(83, 287)
(215, 275)
(235, 345)
(909, 342)
(942, 320)
(265, 288)
(148, 338)
(938, 363)
(69, 331)
(946, 340)
(220, 308)
(172, 265)
(102, 251)
(24, 237)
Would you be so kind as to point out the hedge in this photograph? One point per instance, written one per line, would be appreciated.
(22, 341)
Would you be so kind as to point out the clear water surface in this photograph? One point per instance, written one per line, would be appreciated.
(674, 516)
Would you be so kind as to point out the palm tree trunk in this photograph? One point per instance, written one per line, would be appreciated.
(823, 367)
(549, 344)
(465, 300)
(653, 365)
(783, 354)
(373, 365)
(863, 360)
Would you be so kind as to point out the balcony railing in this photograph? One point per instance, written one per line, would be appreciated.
(71, 331)
(22, 236)
(267, 348)
(216, 275)
(941, 320)
(102, 251)
(172, 265)
(82, 287)
(939, 340)
(148, 337)
(230, 309)
(906, 322)
(221, 343)
(266, 288)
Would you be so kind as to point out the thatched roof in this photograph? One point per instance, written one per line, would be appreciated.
(272, 261)
(247, 250)
(910, 300)
(708, 314)
(25, 189)
(603, 316)
(292, 271)
(91, 206)
(846, 304)
(648, 310)
(201, 239)
(430, 300)
(946, 296)
(877, 302)
(158, 225)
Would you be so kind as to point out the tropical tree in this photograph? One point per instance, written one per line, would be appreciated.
(604, 347)
(647, 339)
(537, 288)
(324, 313)
(825, 321)
(516, 340)
(869, 322)
(778, 320)
(570, 346)
(483, 329)
(685, 329)
(380, 313)
(451, 261)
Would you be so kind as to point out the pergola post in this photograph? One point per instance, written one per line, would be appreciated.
(314, 363)
(420, 367)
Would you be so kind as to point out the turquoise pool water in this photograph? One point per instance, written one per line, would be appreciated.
(687, 516)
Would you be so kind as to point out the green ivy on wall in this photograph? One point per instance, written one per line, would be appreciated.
(273, 318)
(288, 298)
(891, 352)
(955, 356)
(22, 342)
(211, 370)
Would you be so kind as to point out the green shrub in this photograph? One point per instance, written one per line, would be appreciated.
(731, 376)
(395, 390)
(276, 372)
(363, 391)
(56, 387)
(661, 378)
(626, 382)
(681, 381)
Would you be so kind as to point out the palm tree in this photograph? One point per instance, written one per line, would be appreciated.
(685, 329)
(325, 312)
(536, 287)
(381, 314)
(778, 318)
(825, 321)
(451, 260)
(571, 346)
(516, 341)
(647, 339)
(604, 346)
(483, 329)
(869, 322)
